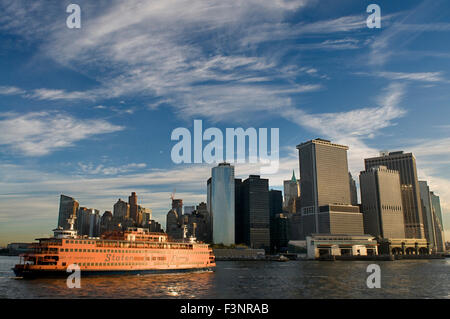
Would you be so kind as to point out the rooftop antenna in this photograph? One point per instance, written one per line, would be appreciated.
(172, 196)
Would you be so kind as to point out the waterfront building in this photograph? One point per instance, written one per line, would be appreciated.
(291, 193)
(328, 245)
(255, 199)
(427, 210)
(353, 190)
(382, 205)
(404, 246)
(325, 201)
(405, 164)
(221, 203)
(68, 207)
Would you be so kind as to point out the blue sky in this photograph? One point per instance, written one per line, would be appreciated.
(89, 112)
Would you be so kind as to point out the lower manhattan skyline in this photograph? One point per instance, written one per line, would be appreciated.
(89, 112)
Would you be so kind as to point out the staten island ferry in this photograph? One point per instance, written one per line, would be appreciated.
(133, 251)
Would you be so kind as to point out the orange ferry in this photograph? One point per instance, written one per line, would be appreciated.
(133, 251)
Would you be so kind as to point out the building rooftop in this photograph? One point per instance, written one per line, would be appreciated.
(322, 142)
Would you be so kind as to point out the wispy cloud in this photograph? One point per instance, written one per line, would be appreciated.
(431, 77)
(39, 133)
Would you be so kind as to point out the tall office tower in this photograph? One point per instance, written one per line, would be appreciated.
(436, 202)
(221, 203)
(382, 206)
(68, 206)
(405, 164)
(121, 210)
(132, 201)
(291, 193)
(324, 185)
(172, 224)
(88, 222)
(353, 191)
(203, 221)
(106, 222)
(279, 237)
(177, 205)
(238, 213)
(438, 223)
(255, 198)
(427, 210)
(275, 208)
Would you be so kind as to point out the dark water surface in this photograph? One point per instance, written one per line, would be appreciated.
(251, 279)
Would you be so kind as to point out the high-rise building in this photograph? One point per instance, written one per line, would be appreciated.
(133, 202)
(427, 211)
(405, 164)
(88, 222)
(279, 236)
(121, 210)
(68, 207)
(291, 193)
(325, 202)
(221, 203)
(172, 224)
(255, 199)
(438, 223)
(353, 191)
(106, 222)
(239, 229)
(382, 206)
(275, 209)
(436, 201)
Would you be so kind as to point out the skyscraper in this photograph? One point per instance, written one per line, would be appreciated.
(278, 225)
(382, 206)
(238, 212)
(325, 189)
(255, 199)
(427, 210)
(405, 164)
(68, 206)
(88, 222)
(132, 201)
(221, 203)
(291, 193)
(438, 223)
(353, 190)
(121, 210)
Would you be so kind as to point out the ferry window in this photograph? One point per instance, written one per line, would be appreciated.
(71, 250)
(67, 241)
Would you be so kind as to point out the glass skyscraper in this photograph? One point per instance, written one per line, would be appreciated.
(221, 203)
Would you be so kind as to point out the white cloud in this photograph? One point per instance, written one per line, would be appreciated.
(91, 169)
(418, 76)
(10, 90)
(39, 133)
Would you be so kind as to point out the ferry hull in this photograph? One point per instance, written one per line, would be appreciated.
(44, 273)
